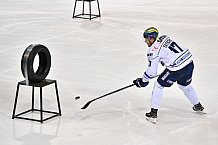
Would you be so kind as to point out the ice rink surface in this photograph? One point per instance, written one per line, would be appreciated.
(91, 58)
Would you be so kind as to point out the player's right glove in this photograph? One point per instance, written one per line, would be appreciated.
(139, 83)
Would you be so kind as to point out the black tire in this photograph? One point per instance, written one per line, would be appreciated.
(28, 59)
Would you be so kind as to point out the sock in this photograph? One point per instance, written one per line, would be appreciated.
(190, 93)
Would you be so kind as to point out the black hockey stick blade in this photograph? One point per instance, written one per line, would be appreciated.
(86, 105)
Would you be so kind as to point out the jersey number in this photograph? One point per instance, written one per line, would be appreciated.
(175, 48)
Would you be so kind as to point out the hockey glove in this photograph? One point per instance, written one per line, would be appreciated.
(139, 83)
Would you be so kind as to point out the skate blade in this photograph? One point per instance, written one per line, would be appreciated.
(152, 120)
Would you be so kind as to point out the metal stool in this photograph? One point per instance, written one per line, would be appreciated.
(83, 15)
(41, 84)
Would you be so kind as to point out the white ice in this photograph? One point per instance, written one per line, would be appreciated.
(92, 58)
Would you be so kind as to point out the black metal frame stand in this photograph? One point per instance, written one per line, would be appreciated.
(82, 15)
(41, 84)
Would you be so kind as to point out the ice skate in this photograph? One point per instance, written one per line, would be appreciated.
(152, 116)
(199, 108)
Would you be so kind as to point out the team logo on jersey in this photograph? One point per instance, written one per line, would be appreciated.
(155, 48)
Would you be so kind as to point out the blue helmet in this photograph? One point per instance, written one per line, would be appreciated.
(151, 32)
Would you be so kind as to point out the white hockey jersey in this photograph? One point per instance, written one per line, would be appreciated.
(166, 51)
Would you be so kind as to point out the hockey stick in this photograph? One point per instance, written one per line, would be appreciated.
(89, 102)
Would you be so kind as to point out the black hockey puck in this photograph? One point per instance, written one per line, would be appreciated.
(77, 97)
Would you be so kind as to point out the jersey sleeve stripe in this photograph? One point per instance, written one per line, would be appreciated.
(147, 76)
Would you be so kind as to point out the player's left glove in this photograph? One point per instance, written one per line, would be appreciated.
(139, 83)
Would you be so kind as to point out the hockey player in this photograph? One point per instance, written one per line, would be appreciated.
(179, 68)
